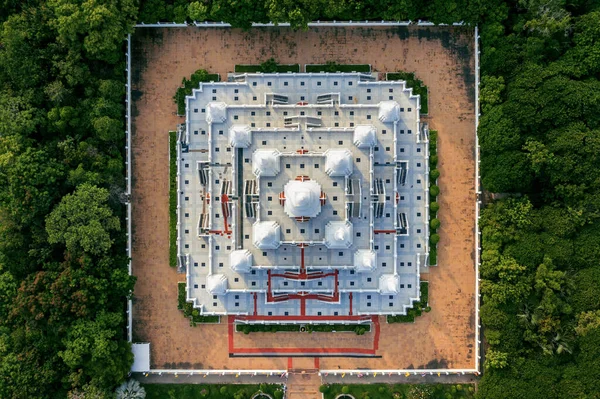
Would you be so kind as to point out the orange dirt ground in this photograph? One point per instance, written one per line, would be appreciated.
(441, 57)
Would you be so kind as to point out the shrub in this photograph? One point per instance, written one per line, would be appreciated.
(269, 66)
(434, 207)
(223, 390)
(262, 387)
(432, 257)
(427, 309)
(433, 160)
(435, 238)
(434, 174)
(435, 224)
(324, 388)
(278, 394)
(345, 389)
(382, 389)
(434, 191)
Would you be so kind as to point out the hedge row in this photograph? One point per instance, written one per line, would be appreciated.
(417, 309)
(416, 84)
(261, 68)
(248, 328)
(434, 191)
(172, 199)
(188, 308)
(335, 67)
(193, 83)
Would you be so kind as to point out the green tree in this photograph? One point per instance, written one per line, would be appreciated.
(83, 221)
(95, 352)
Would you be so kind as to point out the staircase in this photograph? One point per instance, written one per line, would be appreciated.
(303, 384)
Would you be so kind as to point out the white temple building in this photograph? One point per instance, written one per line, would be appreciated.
(303, 198)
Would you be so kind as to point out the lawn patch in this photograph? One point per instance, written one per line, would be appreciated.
(385, 391)
(210, 391)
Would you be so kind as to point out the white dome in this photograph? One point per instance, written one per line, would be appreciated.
(216, 112)
(240, 260)
(240, 136)
(216, 284)
(389, 111)
(266, 235)
(265, 162)
(338, 163)
(388, 284)
(302, 198)
(365, 136)
(365, 260)
(338, 235)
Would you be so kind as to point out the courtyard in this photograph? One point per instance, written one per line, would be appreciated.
(443, 59)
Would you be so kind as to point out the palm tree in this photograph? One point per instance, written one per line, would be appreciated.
(131, 390)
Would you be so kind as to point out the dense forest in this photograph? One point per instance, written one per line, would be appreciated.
(63, 265)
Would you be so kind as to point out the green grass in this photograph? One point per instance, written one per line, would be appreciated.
(335, 67)
(173, 199)
(188, 308)
(249, 328)
(208, 391)
(385, 391)
(188, 85)
(433, 153)
(260, 68)
(417, 309)
(416, 84)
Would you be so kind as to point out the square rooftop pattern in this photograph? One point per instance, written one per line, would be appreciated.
(302, 198)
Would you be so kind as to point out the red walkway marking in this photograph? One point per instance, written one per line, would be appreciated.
(365, 351)
(361, 351)
(304, 318)
(230, 333)
(317, 363)
(375, 321)
(290, 363)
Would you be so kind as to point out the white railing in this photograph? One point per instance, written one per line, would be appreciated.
(391, 372)
(314, 24)
(477, 204)
(128, 177)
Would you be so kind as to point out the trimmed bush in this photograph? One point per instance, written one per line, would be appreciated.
(435, 224)
(417, 86)
(193, 83)
(434, 191)
(432, 257)
(345, 389)
(332, 66)
(223, 390)
(172, 199)
(324, 388)
(269, 66)
(435, 238)
(278, 394)
(433, 160)
(434, 174)
(434, 207)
